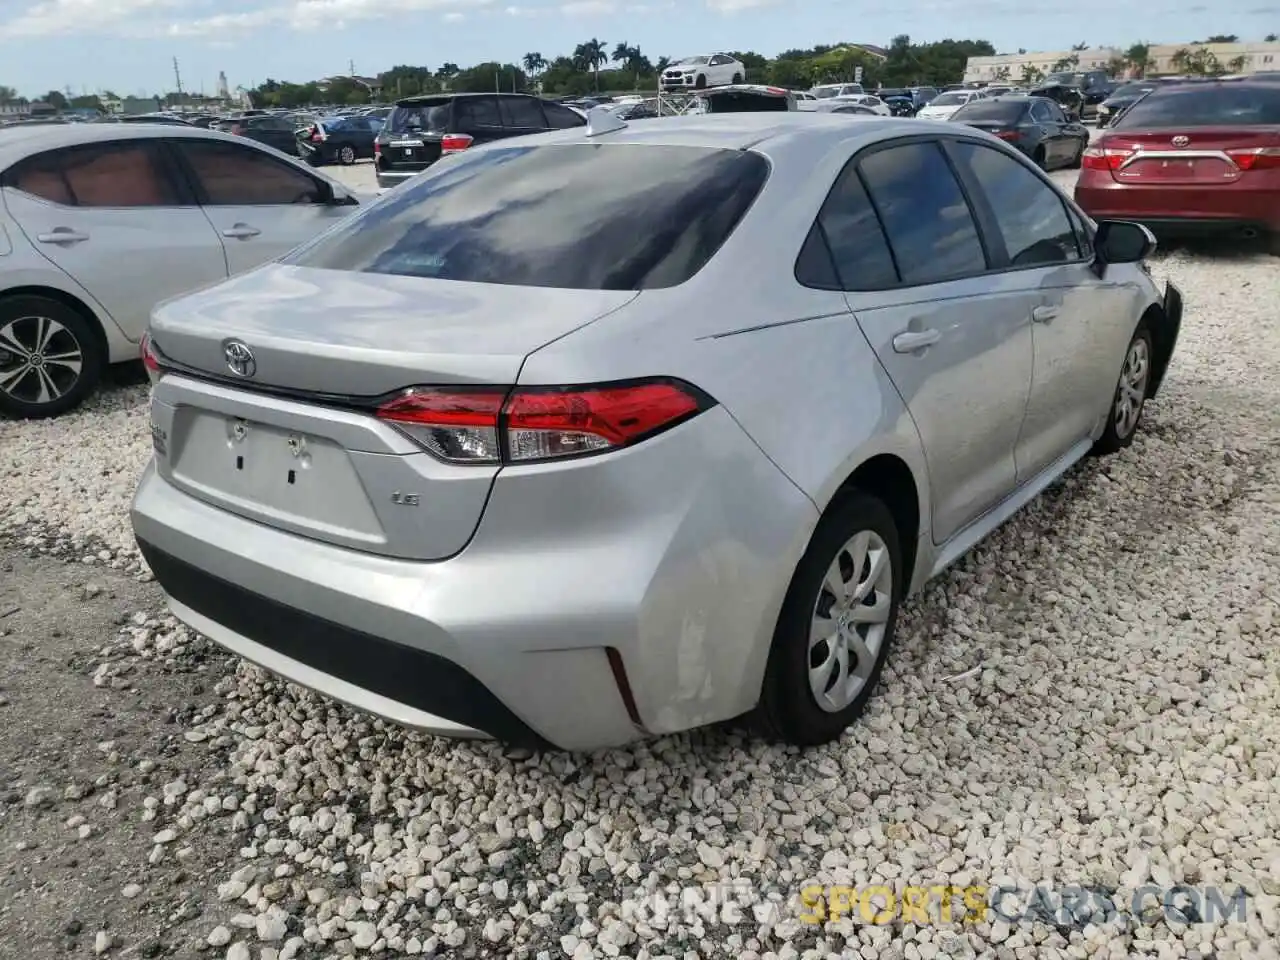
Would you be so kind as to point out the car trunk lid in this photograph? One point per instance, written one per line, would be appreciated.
(1199, 156)
(294, 444)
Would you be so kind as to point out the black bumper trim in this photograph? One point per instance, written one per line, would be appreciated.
(407, 675)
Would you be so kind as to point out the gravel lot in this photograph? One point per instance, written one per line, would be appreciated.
(1120, 729)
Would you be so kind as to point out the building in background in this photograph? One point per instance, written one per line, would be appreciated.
(223, 92)
(1013, 67)
(1165, 59)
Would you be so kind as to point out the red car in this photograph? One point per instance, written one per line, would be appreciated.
(1191, 159)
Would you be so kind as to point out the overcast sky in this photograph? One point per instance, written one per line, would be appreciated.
(128, 45)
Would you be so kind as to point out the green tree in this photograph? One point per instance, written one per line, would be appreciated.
(534, 63)
(1138, 56)
(1271, 37)
(591, 56)
(488, 77)
(56, 100)
(1116, 66)
(1067, 63)
(8, 95)
(1031, 75)
(1236, 64)
(1223, 38)
(89, 102)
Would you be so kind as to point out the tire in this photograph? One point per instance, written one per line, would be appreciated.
(1122, 421)
(737, 79)
(1273, 243)
(47, 388)
(789, 708)
(346, 155)
(1077, 160)
(700, 82)
(1039, 158)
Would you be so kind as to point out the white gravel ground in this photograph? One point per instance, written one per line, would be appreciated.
(1122, 728)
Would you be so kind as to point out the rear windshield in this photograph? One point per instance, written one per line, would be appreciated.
(1207, 106)
(744, 103)
(578, 216)
(990, 110)
(950, 99)
(430, 117)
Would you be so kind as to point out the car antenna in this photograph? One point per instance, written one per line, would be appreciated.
(602, 120)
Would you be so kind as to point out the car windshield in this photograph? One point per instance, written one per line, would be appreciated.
(1063, 79)
(577, 216)
(692, 62)
(823, 93)
(949, 100)
(429, 117)
(1003, 110)
(885, 94)
(1207, 106)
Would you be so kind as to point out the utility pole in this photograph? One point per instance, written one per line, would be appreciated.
(177, 78)
(351, 67)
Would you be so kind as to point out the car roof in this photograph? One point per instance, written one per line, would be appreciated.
(758, 88)
(740, 131)
(430, 97)
(17, 143)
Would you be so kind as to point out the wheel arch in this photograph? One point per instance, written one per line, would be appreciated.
(70, 301)
(888, 478)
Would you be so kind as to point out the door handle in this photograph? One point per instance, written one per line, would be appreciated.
(241, 231)
(1044, 314)
(910, 341)
(62, 235)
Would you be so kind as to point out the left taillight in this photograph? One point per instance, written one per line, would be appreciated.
(1009, 135)
(150, 358)
(537, 424)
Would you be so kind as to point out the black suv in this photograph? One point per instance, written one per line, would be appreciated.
(420, 130)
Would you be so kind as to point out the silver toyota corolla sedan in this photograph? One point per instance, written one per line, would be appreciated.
(618, 431)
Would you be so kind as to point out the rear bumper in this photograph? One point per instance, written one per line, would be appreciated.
(393, 178)
(1179, 211)
(674, 555)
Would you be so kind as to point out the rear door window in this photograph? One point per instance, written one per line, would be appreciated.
(859, 249)
(473, 112)
(125, 174)
(578, 216)
(521, 112)
(930, 227)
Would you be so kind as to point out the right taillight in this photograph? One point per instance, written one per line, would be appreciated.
(535, 424)
(1104, 158)
(1256, 158)
(455, 142)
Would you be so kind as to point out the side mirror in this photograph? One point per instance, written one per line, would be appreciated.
(1120, 241)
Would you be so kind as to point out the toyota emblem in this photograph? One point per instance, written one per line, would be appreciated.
(239, 358)
(1180, 141)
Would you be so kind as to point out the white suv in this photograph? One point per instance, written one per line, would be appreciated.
(707, 70)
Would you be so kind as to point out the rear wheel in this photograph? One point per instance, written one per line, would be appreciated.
(1039, 158)
(836, 626)
(737, 78)
(346, 155)
(1130, 395)
(1077, 159)
(50, 357)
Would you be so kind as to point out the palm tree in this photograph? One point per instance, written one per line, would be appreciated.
(1271, 37)
(534, 63)
(591, 56)
(1181, 59)
(632, 59)
(7, 95)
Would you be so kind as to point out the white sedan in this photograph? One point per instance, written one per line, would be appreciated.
(100, 222)
(874, 104)
(944, 105)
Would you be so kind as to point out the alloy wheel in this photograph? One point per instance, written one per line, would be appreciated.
(1132, 389)
(850, 619)
(40, 359)
(348, 155)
